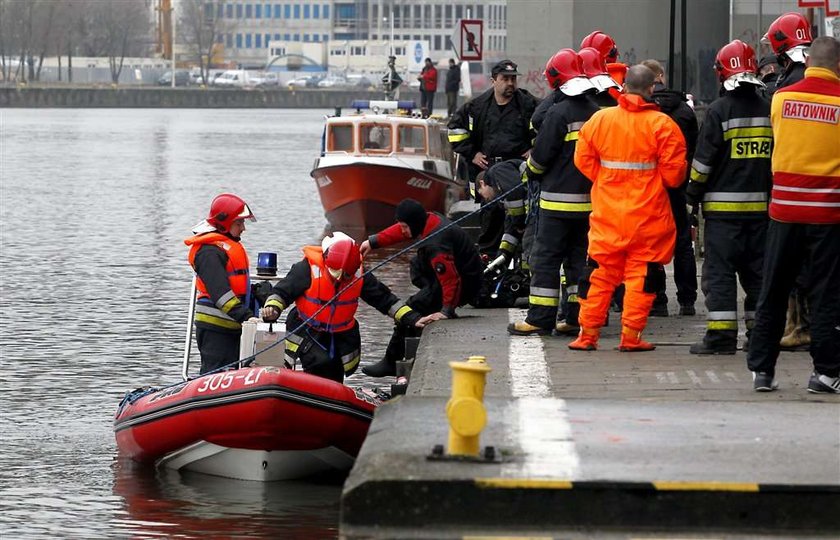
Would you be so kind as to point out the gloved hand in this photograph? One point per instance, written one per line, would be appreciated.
(261, 291)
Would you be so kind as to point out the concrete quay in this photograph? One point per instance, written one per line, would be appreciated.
(601, 444)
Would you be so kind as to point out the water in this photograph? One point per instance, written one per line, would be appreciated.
(94, 207)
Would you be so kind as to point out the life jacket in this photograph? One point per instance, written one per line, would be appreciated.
(339, 316)
(238, 276)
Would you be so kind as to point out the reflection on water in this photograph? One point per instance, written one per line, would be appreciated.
(94, 207)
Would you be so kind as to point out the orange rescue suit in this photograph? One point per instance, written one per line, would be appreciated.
(339, 316)
(631, 153)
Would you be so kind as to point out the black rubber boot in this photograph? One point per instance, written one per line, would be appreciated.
(383, 368)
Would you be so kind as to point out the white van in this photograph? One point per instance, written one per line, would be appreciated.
(233, 78)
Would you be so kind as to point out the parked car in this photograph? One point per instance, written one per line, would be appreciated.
(182, 78)
(265, 80)
(197, 78)
(233, 78)
(333, 81)
(298, 82)
(314, 80)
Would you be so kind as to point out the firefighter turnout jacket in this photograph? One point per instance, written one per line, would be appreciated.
(806, 159)
(448, 257)
(564, 190)
(730, 172)
(222, 280)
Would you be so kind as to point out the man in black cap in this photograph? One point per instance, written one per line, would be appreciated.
(768, 71)
(494, 127)
(447, 269)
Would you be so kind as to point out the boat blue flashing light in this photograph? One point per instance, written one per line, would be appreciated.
(266, 264)
(383, 105)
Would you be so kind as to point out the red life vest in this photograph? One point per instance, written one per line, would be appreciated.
(340, 313)
(237, 265)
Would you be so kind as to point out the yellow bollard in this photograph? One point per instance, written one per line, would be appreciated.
(465, 409)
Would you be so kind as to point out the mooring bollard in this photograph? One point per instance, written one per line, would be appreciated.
(465, 409)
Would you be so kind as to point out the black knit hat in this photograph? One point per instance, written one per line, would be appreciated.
(412, 214)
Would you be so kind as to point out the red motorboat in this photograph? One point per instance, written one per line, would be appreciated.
(373, 160)
(256, 423)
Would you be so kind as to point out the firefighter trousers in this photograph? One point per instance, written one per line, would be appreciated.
(559, 240)
(789, 245)
(603, 273)
(734, 249)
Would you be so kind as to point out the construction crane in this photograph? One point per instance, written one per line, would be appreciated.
(164, 28)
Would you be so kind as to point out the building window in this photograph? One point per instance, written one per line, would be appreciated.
(267, 40)
(479, 11)
(248, 11)
(297, 11)
(258, 41)
(287, 11)
(220, 39)
(238, 11)
(220, 9)
(228, 41)
(448, 11)
(247, 41)
(306, 37)
(316, 11)
(437, 46)
(306, 11)
(297, 37)
(238, 41)
(325, 37)
(229, 11)
(258, 11)
(326, 11)
(277, 11)
(276, 37)
(315, 37)
(287, 37)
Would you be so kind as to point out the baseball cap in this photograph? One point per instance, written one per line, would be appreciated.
(767, 60)
(505, 67)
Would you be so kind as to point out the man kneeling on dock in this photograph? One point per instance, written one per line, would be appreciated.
(447, 269)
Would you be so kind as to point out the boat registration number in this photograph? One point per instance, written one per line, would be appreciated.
(222, 381)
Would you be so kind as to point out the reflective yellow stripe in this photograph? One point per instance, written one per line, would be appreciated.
(706, 486)
(572, 136)
(543, 301)
(507, 246)
(722, 325)
(697, 176)
(573, 299)
(748, 132)
(519, 483)
(349, 366)
(401, 312)
(230, 304)
(458, 137)
(520, 211)
(217, 321)
(535, 167)
(734, 206)
(291, 347)
(565, 206)
(275, 303)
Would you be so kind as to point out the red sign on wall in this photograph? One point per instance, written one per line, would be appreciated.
(471, 42)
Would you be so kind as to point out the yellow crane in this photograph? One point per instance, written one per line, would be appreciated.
(164, 28)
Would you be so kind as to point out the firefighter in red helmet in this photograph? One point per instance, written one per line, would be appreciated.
(605, 44)
(789, 37)
(730, 180)
(222, 280)
(564, 203)
(327, 341)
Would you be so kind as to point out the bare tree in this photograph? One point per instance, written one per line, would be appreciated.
(201, 25)
(121, 29)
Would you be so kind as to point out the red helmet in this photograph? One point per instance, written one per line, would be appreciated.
(565, 71)
(227, 208)
(789, 31)
(595, 67)
(341, 255)
(734, 58)
(603, 43)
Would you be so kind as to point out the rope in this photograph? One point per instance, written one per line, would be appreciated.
(250, 359)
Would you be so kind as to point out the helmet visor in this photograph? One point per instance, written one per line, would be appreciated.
(604, 82)
(798, 53)
(576, 86)
(738, 79)
(246, 214)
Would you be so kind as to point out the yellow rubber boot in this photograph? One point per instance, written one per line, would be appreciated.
(631, 341)
(587, 340)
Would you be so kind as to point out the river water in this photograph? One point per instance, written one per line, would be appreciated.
(94, 284)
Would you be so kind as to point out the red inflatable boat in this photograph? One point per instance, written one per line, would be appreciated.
(258, 423)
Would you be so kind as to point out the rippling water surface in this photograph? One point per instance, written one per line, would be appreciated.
(94, 284)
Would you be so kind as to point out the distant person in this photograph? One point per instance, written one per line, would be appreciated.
(804, 220)
(495, 126)
(675, 104)
(223, 285)
(768, 72)
(428, 87)
(391, 81)
(453, 84)
(631, 153)
(446, 269)
(328, 344)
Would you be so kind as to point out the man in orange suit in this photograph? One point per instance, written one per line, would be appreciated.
(631, 153)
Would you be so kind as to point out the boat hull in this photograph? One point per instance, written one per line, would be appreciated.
(364, 195)
(259, 423)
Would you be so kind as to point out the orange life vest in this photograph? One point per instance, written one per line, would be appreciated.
(339, 315)
(237, 265)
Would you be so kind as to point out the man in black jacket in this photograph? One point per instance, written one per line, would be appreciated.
(494, 127)
(453, 83)
(673, 103)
